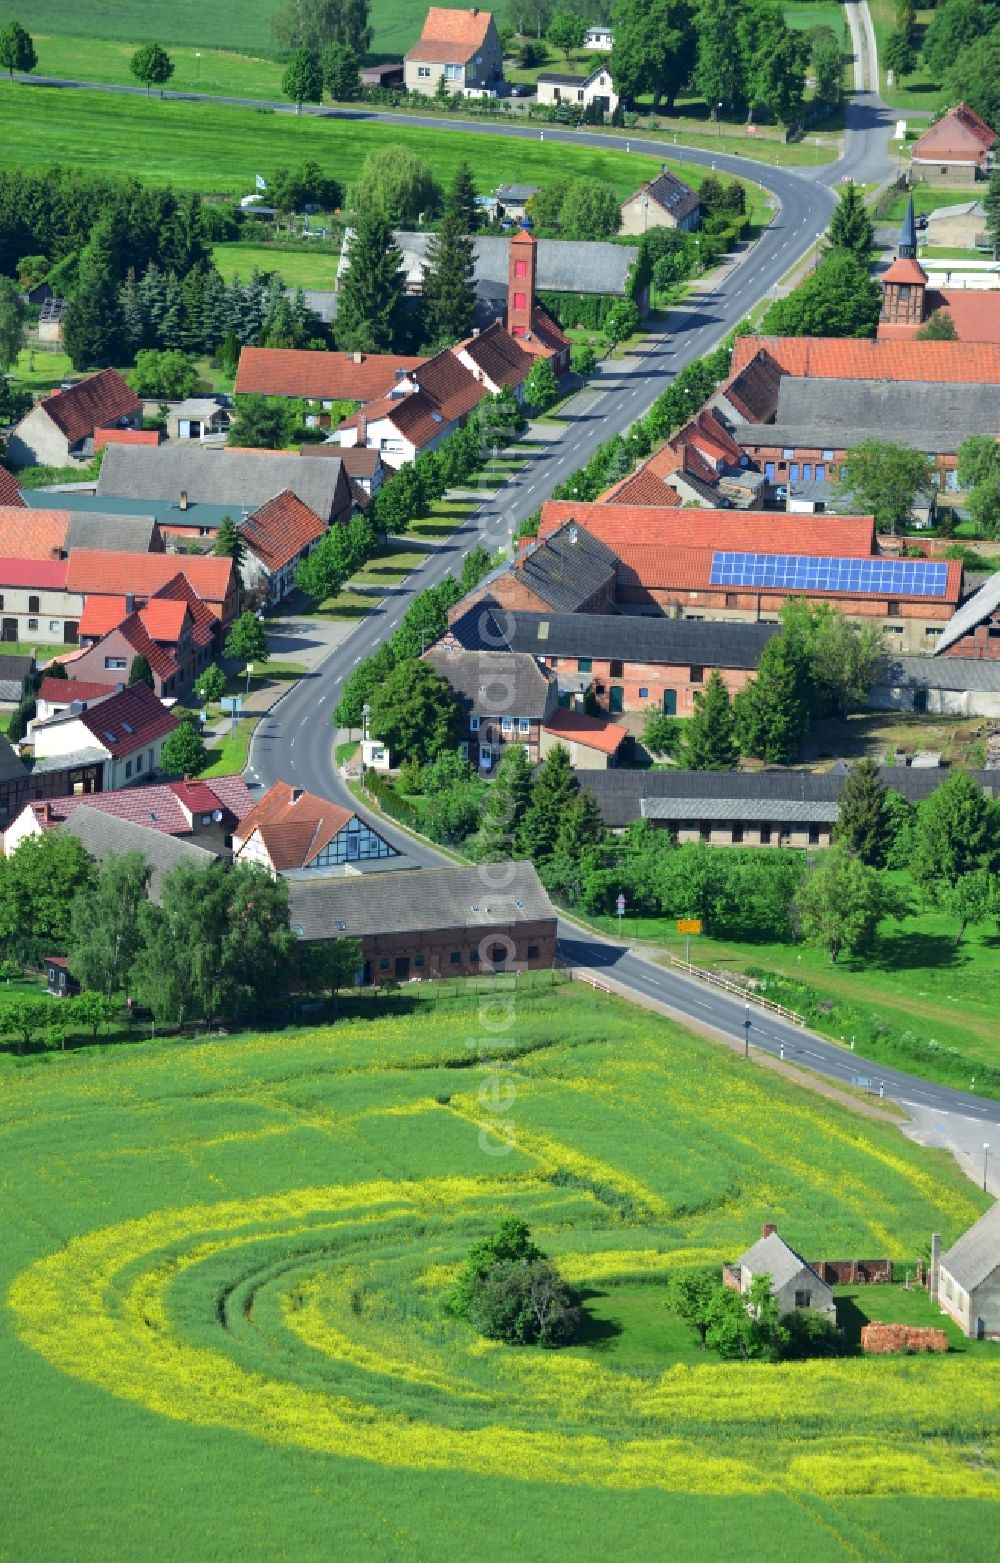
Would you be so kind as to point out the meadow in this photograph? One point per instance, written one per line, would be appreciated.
(212, 148)
(225, 1267)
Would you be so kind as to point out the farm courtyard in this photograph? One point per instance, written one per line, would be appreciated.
(226, 1264)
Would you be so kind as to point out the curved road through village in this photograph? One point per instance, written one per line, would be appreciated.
(295, 740)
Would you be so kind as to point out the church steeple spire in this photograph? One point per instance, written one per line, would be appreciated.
(908, 234)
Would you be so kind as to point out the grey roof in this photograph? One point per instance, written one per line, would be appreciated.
(974, 673)
(839, 414)
(493, 683)
(960, 209)
(42, 764)
(562, 79)
(124, 534)
(416, 901)
(636, 638)
(972, 612)
(517, 193)
(13, 672)
(977, 1253)
(588, 266)
(200, 408)
(103, 834)
(242, 480)
(795, 812)
(621, 794)
(567, 568)
(672, 194)
(772, 1256)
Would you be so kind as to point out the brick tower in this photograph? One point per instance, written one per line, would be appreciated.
(904, 284)
(521, 267)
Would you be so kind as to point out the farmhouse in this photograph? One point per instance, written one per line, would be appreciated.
(187, 475)
(419, 413)
(423, 923)
(320, 377)
(462, 47)
(505, 698)
(663, 202)
(969, 1278)
(95, 574)
(61, 428)
(290, 830)
(278, 537)
(958, 149)
(103, 835)
(595, 90)
(208, 810)
(794, 1283)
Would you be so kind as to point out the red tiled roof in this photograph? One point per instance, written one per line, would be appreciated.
(747, 531)
(47, 573)
(281, 529)
(961, 136)
(105, 573)
(450, 37)
(163, 619)
(128, 720)
(160, 806)
(84, 407)
(452, 388)
(709, 430)
(905, 269)
(104, 437)
(594, 732)
(161, 661)
(32, 534)
(664, 567)
(642, 487)
(61, 691)
(10, 493)
(331, 377)
(753, 391)
(101, 614)
(204, 620)
(976, 313)
(294, 825)
(849, 358)
(546, 339)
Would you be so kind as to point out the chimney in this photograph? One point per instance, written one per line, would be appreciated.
(357, 358)
(362, 429)
(521, 270)
(934, 1277)
(768, 1228)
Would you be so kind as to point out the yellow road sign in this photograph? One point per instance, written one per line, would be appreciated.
(689, 925)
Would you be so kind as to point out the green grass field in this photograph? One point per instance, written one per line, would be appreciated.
(225, 1266)
(306, 269)
(212, 148)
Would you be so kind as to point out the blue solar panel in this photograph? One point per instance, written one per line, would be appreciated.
(805, 572)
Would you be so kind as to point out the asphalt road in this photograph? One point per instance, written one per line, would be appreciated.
(295, 740)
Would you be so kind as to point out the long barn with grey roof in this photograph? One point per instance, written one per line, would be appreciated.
(244, 480)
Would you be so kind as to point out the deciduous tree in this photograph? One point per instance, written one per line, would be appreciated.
(312, 24)
(975, 78)
(211, 684)
(841, 902)
(37, 885)
(400, 185)
(590, 209)
(566, 31)
(152, 65)
(302, 81)
(184, 752)
(654, 49)
(17, 50)
(247, 640)
(747, 1326)
(957, 833)
(838, 299)
(899, 55)
(415, 713)
(885, 478)
(541, 388)
(691, 1295)
(340, 67)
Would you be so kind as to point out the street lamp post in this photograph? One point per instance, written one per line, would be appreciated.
(986, 1162)
(249, 675)
(746, 1032)
(718, 115)
(366, 712)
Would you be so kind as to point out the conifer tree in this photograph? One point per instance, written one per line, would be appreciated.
(506, 803)
(229, 542)
(140, 672)
(850, 226)
(552, 792)
(369, 316)
(710, 733)
(460, 201)
(92, 332)
(864, 825)
(449, 284)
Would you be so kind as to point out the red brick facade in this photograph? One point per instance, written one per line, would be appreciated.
(983, 642)
(881, 1339)
(634, 686)
(790, 464)
(457, 952)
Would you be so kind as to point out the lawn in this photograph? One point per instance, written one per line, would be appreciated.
(228, 752)
(918, 91)
(926, 199)
(209, 147)
(391, 565)
(445, 515)
(347, 605)
(306, 269)
(41, 371)
(226, 1266)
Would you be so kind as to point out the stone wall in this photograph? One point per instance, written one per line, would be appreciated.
(885, 1338)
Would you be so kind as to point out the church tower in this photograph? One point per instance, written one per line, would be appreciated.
(904, 285)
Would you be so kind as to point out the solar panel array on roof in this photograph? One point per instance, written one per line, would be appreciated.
(802, 572)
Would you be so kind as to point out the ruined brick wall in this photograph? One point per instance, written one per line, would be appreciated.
(884, 1338)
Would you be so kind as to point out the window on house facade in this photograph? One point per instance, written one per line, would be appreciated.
(473, 957)
(463, 750)
(507, 724)
(128, 769)
(33, 605)
(424, 71)
(138, 763)
(32, 624)
(765, 835)
(787, 452)
(383, 964)
(617, 670)
(803, 1299)
(453, 72)
(828, 455)
(520, 301)
(904, 293)
(520, 268)
(584, 665)
(732, 600)
(455, 957)
(643, 693)
(473, 724)
(524, 724)
(418, 961)
(53, 626)
(532, 952)
(894, 610)
(697, 675)
(114, 664)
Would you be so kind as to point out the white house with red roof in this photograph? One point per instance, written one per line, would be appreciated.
(60, 429)
(277, 537)
(37, 603)
(56, 696)
(462, 47)
(421, 410)
(124, 735)
(206, 811)
(290, 830)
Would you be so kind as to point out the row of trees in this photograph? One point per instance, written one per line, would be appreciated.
(215, 943)
(960, 49)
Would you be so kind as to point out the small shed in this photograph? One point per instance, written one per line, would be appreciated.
(969, 1279)
(60, 982)
(794, 1282)
(197, 418)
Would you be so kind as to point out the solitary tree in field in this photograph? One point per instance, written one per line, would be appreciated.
(17, 50)
(303, 78)
(690, 1294)
(152, 66)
